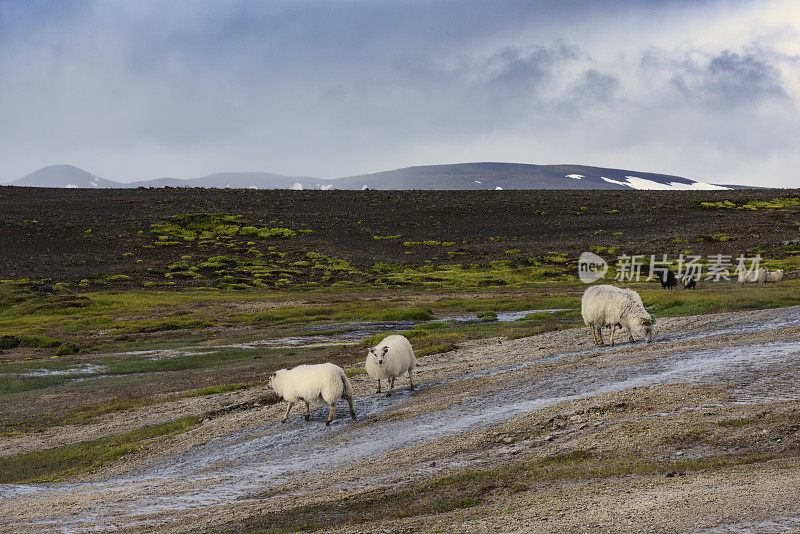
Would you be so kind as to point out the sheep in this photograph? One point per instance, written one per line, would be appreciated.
(389, 359)
(688, 282)
(667, 279)
(606, 305)
(318, 384)
(753, 276)
(773, 276)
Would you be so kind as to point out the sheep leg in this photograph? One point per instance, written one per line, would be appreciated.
(288, 409)
(600, 335)
(379, 385)
(330, 415)
(594, 334)
(352, 410)
(308, 411)
(613, 327)
(630, 335)
(391, 387)
(411, 381)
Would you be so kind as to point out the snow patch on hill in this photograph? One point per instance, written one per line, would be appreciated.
(609, 180)
(635, 182)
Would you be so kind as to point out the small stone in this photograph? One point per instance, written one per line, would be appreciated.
(508, 440)
(433, 464)
(679, 453)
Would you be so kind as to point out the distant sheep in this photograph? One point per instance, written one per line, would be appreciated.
(667, 279)
(606, 305)
(389, 359)
(773, 276)
(316, 385)
(758, 276)
(688, 282)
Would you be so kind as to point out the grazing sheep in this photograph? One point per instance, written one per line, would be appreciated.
(667, 279)
(753, 276)
(606, 305)
(773, 276)
(319, 385)
(389, 359)
(688, 282)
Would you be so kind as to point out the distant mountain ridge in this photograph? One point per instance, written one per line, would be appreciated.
(472, 176)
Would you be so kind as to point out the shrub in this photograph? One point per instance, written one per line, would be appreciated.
(68, 348)
(8, 341)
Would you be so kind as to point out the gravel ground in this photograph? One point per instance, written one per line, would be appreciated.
(711, 386)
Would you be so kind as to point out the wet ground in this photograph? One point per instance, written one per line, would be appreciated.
(224, 470)
(350, 333)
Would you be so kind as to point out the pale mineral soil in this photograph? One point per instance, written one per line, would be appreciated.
(697, 432)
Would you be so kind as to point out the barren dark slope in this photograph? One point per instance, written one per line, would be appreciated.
(69, 234)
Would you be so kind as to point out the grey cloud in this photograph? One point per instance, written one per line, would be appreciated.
(141, 89)
(596, 87)
(732, 76)
(727, 79)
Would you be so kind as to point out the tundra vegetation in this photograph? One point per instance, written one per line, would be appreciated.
(187, 282)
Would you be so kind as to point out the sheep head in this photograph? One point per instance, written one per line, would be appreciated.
(379, 353)
(646, 328)
(276, 379)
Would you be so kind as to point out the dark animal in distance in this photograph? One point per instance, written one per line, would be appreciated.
(688, 282)
(667, 279)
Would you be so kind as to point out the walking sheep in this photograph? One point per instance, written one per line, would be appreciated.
(606, 305)
(389, 359)
(773, 276)
(316, 385)
(753, 276)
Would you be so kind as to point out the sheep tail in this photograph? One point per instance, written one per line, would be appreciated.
(348, 389)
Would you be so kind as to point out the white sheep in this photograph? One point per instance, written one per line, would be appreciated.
(318, 385)
(753, 276)
(605, 305)
(773, 276)
(389, 359)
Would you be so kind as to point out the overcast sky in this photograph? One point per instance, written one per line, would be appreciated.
(709, 90)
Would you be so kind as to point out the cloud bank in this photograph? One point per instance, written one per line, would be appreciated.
(135, 90)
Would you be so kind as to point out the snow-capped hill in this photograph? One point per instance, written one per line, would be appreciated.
(497, 176)
(63, 176)
(492, 176)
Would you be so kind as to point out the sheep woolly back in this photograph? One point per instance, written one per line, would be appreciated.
(319, 384)
(608, 305)
(398, 360)
(759, 275)
(774, 276)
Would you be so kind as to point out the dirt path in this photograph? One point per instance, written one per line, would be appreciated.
(716, 396)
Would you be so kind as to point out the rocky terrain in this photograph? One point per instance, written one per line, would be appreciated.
(698, 431)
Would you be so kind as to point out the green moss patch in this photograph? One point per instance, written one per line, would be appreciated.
(61, 462)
